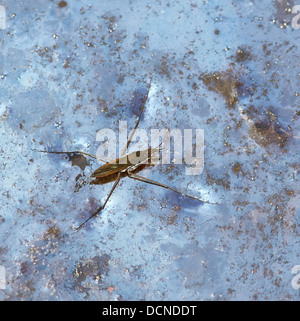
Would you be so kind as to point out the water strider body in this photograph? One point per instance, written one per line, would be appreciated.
(117, 169)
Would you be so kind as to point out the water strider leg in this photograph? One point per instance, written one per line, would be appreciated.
(93, 156)
(72, 152)
(119, 174)
(102, 206)
(127, 144)
(150, 181)
(137, 123)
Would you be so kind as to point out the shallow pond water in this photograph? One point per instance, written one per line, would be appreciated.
(71, 68)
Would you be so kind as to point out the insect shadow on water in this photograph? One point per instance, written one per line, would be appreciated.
(115, 170)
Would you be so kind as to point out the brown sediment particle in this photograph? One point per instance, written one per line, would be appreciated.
(62, 4)
(103, 105)
(236, 167)
(265, 134)
(52, 232)
(225, 83)
(242, 54)
(289, 192)
(95, 268)
(224, 182)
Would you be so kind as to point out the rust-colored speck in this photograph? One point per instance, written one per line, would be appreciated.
(62, 4)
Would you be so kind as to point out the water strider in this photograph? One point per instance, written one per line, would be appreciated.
(115, 170)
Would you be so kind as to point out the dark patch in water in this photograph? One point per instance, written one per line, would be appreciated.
(137, 102)
(267, 130)
(78, 160)
(243, 54)
(267, 133)
(93, 268)
(225, 83)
